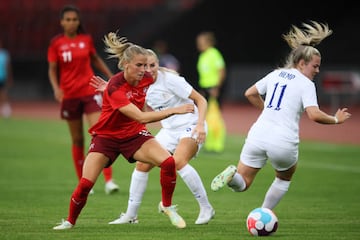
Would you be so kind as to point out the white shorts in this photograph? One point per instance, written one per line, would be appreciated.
(256, 153)
(170, 138)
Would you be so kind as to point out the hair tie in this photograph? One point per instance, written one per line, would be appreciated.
(307, 45)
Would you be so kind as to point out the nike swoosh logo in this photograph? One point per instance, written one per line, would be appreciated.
(74, 201)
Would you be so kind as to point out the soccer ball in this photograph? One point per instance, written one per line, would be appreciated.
(261, 222)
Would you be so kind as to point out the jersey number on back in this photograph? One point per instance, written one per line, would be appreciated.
(277, 101)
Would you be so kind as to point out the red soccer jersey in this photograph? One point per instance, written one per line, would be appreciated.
(112, 123)
(73, 56)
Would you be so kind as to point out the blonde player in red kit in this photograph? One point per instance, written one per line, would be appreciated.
(121, 129)
(70, 56)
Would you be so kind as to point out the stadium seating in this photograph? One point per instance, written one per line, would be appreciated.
(27, 30)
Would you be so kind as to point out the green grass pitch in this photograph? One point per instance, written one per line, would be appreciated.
(37, 178)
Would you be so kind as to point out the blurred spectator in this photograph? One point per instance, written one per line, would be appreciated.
(166, 59)
(212, 72)
(211, 66)
(6, 81)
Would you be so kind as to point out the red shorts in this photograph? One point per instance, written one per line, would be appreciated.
(113, 147)
(74, 108)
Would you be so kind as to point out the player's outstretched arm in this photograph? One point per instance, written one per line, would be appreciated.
(315, 114)
(135, 113)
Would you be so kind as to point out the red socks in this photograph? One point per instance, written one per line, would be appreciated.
(78, 159)
(167, 180)
(81, 192)
(78, 199)
(107, 173)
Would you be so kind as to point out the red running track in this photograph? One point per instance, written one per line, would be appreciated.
(238, 119)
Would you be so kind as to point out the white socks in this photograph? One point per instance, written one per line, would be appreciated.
(237, 183)
(274, 194)
(139, 182)
(276, 191)
(194, 183)
(137, 188)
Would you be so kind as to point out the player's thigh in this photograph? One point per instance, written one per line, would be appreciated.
(185, 151)
(93, 165)
(151, 152)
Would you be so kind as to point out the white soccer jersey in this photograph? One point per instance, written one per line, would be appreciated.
(288, 92)
(171, 90)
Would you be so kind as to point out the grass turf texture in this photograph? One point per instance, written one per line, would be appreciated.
(37, 178)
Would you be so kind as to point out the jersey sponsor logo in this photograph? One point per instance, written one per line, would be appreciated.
(145, 133)
(92, 145)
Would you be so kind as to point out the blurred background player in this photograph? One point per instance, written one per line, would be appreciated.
(166, 59)
(6, 81)
(71, 56)
(212, 73)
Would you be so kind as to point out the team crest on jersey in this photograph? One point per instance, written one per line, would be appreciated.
(81, 45)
